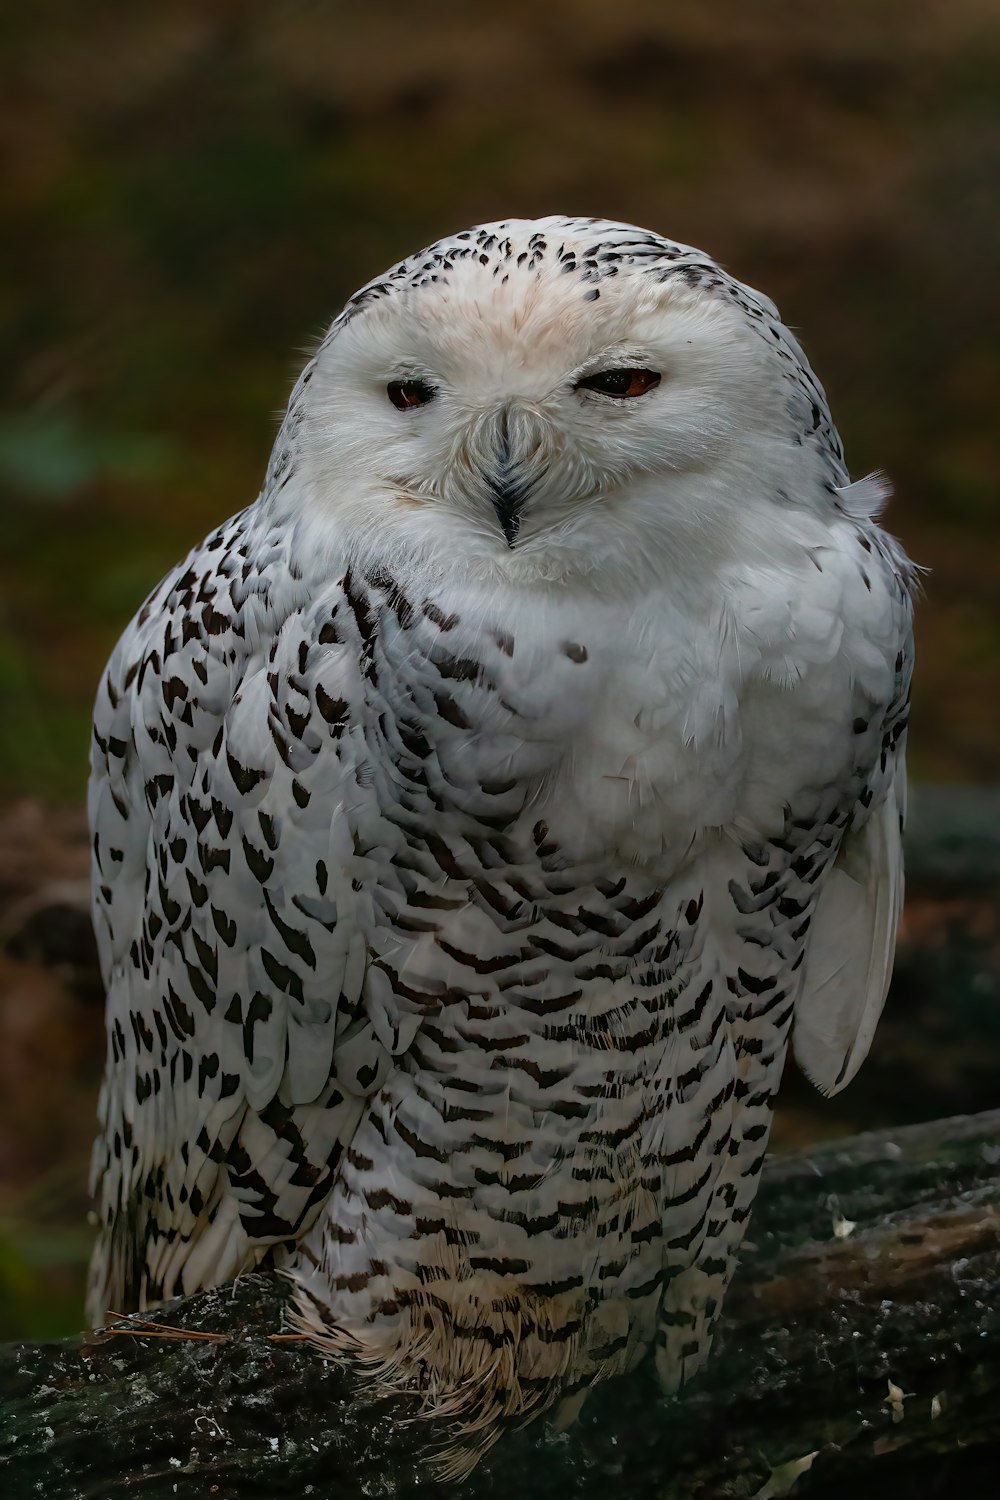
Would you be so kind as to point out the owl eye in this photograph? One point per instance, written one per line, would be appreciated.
(407, 393)
(620, 383)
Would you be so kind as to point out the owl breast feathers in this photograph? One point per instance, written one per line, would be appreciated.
(478, 813)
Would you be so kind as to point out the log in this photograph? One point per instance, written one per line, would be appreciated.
(859, 1352)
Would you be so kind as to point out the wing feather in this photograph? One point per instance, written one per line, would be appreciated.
(851, 945)
(228, 925)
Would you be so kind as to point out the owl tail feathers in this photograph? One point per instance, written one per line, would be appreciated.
(687, 1323)
(138, 1264)
(114, 1277)
(480, 1364)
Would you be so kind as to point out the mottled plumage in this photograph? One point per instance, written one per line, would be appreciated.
(477, 814)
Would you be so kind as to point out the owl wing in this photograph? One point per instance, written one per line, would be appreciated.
(852, 940)
(852, 935)
(228, 896)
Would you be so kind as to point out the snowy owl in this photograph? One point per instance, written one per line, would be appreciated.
(477, 814)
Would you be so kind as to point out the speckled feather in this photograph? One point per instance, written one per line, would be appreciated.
(455, 909)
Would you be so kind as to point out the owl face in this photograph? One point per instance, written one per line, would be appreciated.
(543, 398)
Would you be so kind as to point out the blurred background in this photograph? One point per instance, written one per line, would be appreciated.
(192, 189)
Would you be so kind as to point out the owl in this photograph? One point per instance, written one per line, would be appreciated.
(478, 814)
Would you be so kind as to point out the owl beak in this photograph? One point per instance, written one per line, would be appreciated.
(508, 498)
(508, 480)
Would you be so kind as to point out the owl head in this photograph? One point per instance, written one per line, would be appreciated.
(556, 399)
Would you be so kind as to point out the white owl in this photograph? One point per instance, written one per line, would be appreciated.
(477, 814)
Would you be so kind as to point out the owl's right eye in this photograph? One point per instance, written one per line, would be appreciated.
(405, 394)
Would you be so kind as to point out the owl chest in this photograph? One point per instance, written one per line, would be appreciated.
(597, 738)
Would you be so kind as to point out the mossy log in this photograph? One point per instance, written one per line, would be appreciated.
(863, 1328)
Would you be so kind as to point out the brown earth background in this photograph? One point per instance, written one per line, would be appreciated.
(191, 191)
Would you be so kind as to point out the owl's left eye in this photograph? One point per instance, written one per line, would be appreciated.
(405, 394)
(621, 383)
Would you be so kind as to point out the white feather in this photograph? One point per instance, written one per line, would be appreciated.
(865, 499)
(851, 945)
